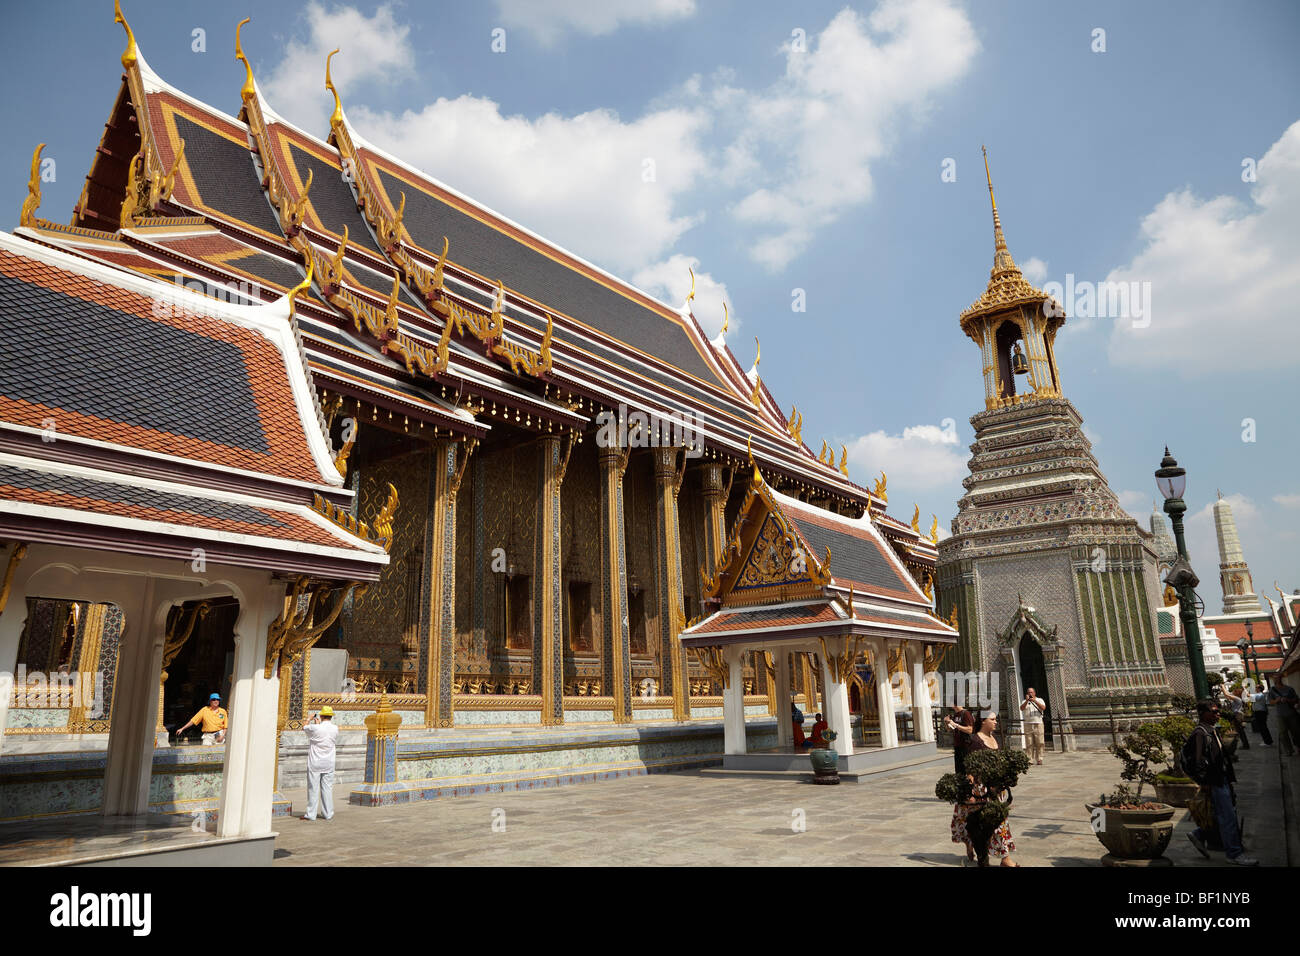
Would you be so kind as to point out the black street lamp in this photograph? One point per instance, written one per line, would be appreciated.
(1248, 643)
(1172, 480)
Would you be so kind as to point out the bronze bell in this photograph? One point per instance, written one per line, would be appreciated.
(1019, 365)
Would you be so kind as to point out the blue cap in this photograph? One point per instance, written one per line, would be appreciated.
(215, 697)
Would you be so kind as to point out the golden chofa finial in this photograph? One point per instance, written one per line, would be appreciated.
(247, 90)
(302, 286)
(726, 318)
(131, 54)
(690, 296)
(934, 529)
(337, 116)
(844, 460)
(881, 486)
(758, 355)
(916, 519)
(27, 216)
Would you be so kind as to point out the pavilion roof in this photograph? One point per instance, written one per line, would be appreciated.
(144, 416)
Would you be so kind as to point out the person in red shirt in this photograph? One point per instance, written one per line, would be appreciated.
(799, 740)
(818, 727)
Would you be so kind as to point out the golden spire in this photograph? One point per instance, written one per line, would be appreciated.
(1002, 260)
(131, 53)
(1007, 285)
(247, 90)
(27, 216)
(337, 116)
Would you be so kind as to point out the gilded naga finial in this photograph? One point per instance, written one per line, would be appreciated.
(248, 89)
(130, 56)
(337, 116)
(934, 529)
(795, 425)
(916, 519)
(758, 355)
(821, 455)
(27, 216)
(879, 490)
(302, 286)
(690, 296)
(726, 318)
(438, 266)
(844, 460)
(382, 526)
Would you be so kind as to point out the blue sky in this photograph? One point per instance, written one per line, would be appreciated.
(776, 169)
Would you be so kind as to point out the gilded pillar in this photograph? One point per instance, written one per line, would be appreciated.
(438, 613)
(548, 602)
(668, 571)
(715, 505)
(616, 656)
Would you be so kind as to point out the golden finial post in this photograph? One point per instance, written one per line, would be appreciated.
(337, 116)
(27, 215)
(247, 90)
(130, 56)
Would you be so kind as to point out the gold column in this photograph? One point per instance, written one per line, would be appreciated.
(548, 602)
(668, 568)
(715, 506)
(92, 639)
(445, 474)
(616, 655)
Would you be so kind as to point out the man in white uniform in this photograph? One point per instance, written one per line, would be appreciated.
(322, 735)
(1031, 712)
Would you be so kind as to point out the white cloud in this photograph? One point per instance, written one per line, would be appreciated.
(835, 113)
(670, 280)
(548, 19)
(1288, 501)
(924, 457)
(1135, 503)
(1035, 270)
(580, 181)
(1224, 275)
(372, 48)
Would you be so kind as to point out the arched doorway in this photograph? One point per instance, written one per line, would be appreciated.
(1033, 673)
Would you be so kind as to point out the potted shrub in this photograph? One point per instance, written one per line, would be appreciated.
(990, 777)
(825, 761)
(1173, 786)
(1127, 826)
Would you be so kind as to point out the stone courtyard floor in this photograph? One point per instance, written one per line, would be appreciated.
(691, 819)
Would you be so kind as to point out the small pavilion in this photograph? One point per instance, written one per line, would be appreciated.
(161, 450)
(796, 579)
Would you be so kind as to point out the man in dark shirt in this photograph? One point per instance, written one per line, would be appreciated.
(1213, 771)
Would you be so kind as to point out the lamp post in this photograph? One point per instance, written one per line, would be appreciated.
(1172, 480)
(1247, 643)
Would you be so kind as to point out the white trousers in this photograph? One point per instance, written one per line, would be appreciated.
(320, 789)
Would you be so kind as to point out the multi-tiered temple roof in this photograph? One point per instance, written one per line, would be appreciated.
(423, 301)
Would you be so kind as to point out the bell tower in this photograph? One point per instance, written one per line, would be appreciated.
(1051, 580)
(1014, 325)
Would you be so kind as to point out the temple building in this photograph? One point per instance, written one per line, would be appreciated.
(1054, 585)
(558, 459)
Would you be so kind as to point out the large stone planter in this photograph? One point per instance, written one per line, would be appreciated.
(1133, 834)
(1176, 794)
(825, 764)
